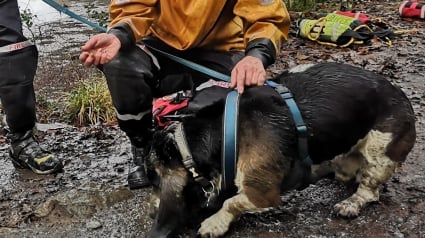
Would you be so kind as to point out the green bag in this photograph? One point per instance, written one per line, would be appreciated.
(335, 30)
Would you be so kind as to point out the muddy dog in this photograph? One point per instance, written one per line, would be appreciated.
(360, 127)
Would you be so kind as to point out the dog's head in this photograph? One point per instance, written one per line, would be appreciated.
(184, 193)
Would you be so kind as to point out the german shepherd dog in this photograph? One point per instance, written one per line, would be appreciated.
(360, 127)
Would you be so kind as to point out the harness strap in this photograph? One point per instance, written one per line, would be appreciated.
(298, 120)
(187, 158)
(230, 139)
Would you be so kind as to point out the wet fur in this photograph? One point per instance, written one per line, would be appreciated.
(360, 127)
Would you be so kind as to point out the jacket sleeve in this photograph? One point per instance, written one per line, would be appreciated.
(266, 24)
(131, 19)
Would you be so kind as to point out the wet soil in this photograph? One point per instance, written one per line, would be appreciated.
(90, 198)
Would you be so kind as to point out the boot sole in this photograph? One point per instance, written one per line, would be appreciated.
(138, 183)
(21, 165)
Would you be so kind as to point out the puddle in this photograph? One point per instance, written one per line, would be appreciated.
(43, 12)
(83, 202)
(54, 31)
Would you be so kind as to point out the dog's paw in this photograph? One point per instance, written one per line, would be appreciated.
(216, 225)
(347, 208)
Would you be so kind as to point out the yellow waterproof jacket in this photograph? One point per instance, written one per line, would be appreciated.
(210, 24)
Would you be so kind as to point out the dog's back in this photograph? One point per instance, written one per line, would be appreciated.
(341, 103)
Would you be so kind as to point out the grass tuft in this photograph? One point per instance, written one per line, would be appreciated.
(90, 103)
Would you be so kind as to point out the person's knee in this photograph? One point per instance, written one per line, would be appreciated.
(133, 62)
(134, 104)
(128, 76)
(14, 71)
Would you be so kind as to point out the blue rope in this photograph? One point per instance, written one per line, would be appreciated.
(70, 13)
(193, 65)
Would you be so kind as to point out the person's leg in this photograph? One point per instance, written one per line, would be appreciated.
(222, 62)
(18, 63)
(219, 61)
(130, 77)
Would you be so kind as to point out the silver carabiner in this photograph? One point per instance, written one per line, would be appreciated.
(209, 194)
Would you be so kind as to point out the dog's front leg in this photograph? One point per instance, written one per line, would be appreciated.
(218, 224)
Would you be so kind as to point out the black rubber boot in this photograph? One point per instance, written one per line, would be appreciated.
(137, 177)
(26, 153)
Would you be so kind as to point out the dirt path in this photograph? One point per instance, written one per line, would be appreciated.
(90, 198)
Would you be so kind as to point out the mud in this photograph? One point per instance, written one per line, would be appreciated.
(90, 198)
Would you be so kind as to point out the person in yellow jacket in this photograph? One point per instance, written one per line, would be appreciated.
(236, 37)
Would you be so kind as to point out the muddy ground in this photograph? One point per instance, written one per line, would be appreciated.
(90, 199)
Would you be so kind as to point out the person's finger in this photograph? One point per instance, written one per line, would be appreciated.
(233, 76)
(240, 81)
(255, 80)
(261, 78)
(250, 79)
(97, 59)
(105, 58)
(89, 61)
(98, 56)
(89, 44)
(83, 56)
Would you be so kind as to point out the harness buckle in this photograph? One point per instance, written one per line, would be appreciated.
(302, 129)
(209, 194)
(282, 90)
(178, 98)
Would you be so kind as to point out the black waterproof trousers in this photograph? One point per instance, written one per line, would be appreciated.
(18, 64)
(134, 80)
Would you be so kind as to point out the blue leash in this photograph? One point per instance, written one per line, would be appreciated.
(230, 148)
(70, 13)
(193, 65)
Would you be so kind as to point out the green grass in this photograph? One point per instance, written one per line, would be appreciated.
(90, 103)
(300, 5)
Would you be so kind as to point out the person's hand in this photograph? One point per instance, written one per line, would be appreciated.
(100, 49)
(248, 72)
